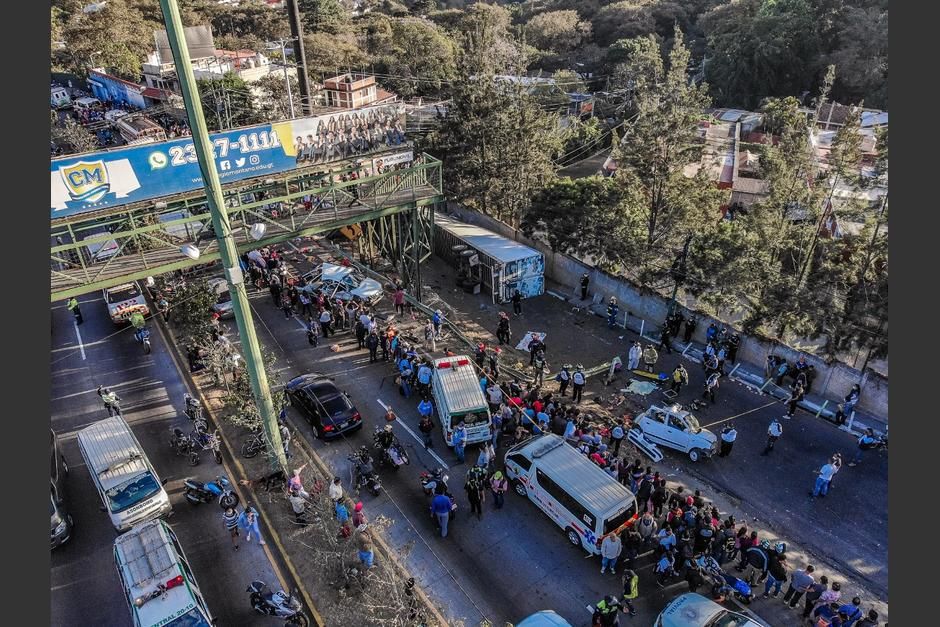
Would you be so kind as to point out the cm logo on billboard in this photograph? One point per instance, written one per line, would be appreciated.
(86, 181)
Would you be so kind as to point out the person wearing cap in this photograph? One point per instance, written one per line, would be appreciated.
(774, 431)
(563, 378)
(617, 434)
(728, 435)
(498, 485)
(516, 303)
(494, 362)
(503, 333)
(680, 377)
(633, 357)
(480, 355)
(358, 517)
(650, 357)
(605, 612)
(436, 320)
(578, 380)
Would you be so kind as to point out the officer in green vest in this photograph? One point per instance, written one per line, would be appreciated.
(72, 305)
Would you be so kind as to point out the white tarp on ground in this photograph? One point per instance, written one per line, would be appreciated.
(523, 344)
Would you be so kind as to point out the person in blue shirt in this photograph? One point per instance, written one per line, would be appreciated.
(436, 320)
(460, 440)
(406, 372)
(425, 408)
(484, 383)
(440, 509)
(865, 443)
(424, 380)
(853, 612)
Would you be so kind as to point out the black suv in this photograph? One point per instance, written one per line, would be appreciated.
(328, 410)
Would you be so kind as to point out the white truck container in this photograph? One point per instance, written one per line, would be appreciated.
(507, 265)
(458, 398)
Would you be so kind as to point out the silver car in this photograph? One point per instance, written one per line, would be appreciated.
(223, 304)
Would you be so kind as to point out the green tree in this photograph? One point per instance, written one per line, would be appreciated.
(557, 31)
(227, 102)
(623, 20)
(424, 7)
(272, 95)
(658, 146)
(323, 16)
(860, 51)
(329, 55)
(75, 135)
(496, 142)
(781, 114)
(418, 57)
(116, 37)
(190, 310)
(761, 48)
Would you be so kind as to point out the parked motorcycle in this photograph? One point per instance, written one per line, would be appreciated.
(436, 483)
(391, 450)
(364, 474)
(197, 492)
(183, 445)
(430, 482)
(204, 441)
(280, 604)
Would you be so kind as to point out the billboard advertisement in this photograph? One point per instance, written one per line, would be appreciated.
(107, 179)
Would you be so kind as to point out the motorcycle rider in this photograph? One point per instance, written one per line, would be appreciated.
(139, 324)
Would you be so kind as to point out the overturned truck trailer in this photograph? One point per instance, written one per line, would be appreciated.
(506, 265)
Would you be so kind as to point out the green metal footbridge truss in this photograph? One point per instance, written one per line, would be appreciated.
(395, 210)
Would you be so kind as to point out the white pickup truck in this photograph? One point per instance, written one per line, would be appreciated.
(123, 300)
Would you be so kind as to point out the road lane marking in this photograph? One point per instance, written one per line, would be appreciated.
(81, 347)
(414, 435)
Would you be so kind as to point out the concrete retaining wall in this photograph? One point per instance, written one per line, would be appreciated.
(647, 308)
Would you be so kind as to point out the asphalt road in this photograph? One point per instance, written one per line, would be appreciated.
(510, 564)
(85, 586)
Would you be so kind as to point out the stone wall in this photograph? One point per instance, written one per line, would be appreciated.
(646, 310)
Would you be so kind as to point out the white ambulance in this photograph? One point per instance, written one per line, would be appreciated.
(459, 398)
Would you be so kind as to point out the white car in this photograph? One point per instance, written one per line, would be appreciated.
(694, 610)
(676, 428)
(223, 305)
(344, 283)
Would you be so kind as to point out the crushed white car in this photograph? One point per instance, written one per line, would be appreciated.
(343, 282)
(675, 428)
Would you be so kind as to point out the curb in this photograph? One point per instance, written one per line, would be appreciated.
(379, 540)
(170, 339)
(317, 461)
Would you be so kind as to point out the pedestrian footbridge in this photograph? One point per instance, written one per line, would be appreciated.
(395, 211)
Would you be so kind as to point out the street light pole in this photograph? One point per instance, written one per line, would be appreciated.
(223, 230)
(290, 98)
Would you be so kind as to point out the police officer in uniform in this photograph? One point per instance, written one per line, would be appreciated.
(728, 435)
(585, 281)
(578, 379)
(563, 378)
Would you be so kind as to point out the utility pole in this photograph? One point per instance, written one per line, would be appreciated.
(290, 98)
(223, 233)
(300, 57)
(678, 273)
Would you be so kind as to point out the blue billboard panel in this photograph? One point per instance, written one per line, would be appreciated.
(107, 179)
